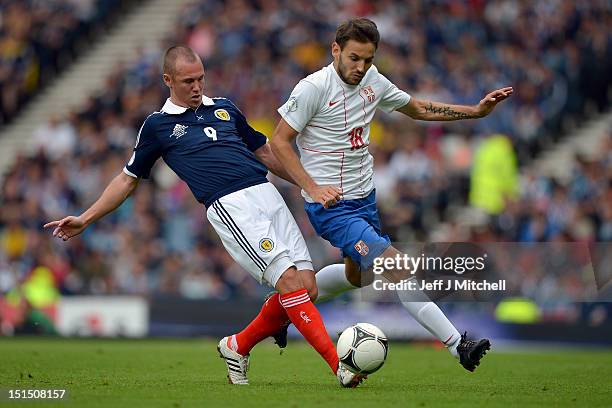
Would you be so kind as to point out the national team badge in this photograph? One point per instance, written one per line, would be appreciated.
(369, 93)
(266, 245)
(362, 248)
(179, 130)
(291, 104)
(222, 114)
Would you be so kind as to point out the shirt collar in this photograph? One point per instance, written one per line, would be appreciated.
(173, 109)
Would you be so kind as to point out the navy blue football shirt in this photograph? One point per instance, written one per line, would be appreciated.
(210, 148)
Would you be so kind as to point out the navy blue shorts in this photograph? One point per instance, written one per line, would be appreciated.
(353, 226)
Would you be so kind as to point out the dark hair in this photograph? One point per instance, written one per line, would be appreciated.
(173, 53)
(362, 30)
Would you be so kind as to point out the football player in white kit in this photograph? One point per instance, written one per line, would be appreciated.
(329, 115)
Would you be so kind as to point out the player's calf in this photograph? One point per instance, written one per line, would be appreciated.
(280, 337)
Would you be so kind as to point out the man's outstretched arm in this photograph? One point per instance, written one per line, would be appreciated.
(427, 110)
(115, 193)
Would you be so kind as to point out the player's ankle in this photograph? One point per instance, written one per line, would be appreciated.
(452, 347)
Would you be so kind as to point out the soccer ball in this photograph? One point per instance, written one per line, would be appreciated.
(362, 348)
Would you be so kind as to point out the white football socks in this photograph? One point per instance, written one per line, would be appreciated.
(331, 282)
(429, 315)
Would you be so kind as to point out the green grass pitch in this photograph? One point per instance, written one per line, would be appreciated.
(188, 373)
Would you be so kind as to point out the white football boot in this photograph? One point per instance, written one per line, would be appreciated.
(347, 378)
(237, 364)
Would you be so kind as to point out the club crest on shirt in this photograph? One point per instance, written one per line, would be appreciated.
(179, 130)
(266, 245)
(369, 93)
(222, 114)
(291, 104)
(362, 248)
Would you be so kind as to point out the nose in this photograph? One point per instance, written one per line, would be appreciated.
(361, 67)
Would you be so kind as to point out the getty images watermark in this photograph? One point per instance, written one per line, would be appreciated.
(545, 272)
(433, 273)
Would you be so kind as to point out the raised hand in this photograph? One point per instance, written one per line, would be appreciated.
(488, 103)
(67, 228)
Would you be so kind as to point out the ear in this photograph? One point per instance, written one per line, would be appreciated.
(335, 47)
(167, 80)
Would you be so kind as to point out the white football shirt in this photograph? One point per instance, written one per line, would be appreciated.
(333, 120)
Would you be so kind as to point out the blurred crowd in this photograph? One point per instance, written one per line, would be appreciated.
(555, 53)
(38, 38)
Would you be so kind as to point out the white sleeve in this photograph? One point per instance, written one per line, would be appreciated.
(393, 97)
(301, 106)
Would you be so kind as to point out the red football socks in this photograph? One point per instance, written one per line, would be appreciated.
(268, 322)
(306, 318)
(297, 307)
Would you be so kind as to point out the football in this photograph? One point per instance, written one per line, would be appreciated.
(363, 348)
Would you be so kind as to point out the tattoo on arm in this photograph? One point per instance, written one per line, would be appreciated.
(447, 112)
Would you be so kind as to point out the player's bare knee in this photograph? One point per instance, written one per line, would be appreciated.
(290, 281)
(352, 272)
(360, 278)
(313, 292)
(310, 283)
(354, 277)
(367, 277)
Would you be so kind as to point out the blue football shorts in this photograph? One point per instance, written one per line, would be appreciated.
(353, 226)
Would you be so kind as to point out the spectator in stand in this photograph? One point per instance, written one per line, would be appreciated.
(37, 40)
(561, 49)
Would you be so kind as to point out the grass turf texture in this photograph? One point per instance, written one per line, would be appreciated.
(186, 373)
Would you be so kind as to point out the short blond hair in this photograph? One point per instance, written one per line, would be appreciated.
(173, 53)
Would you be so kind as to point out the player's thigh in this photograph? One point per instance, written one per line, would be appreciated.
(361, 242)
(394, 274)
(248, 236)
(351, 226)
(289, 233)
(352, 271)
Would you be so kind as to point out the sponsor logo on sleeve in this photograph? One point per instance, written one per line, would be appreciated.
(291, 105)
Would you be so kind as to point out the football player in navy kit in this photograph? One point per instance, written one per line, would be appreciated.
(210, 146)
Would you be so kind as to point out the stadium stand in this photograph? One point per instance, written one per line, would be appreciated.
(38, 39)
(556, 54)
